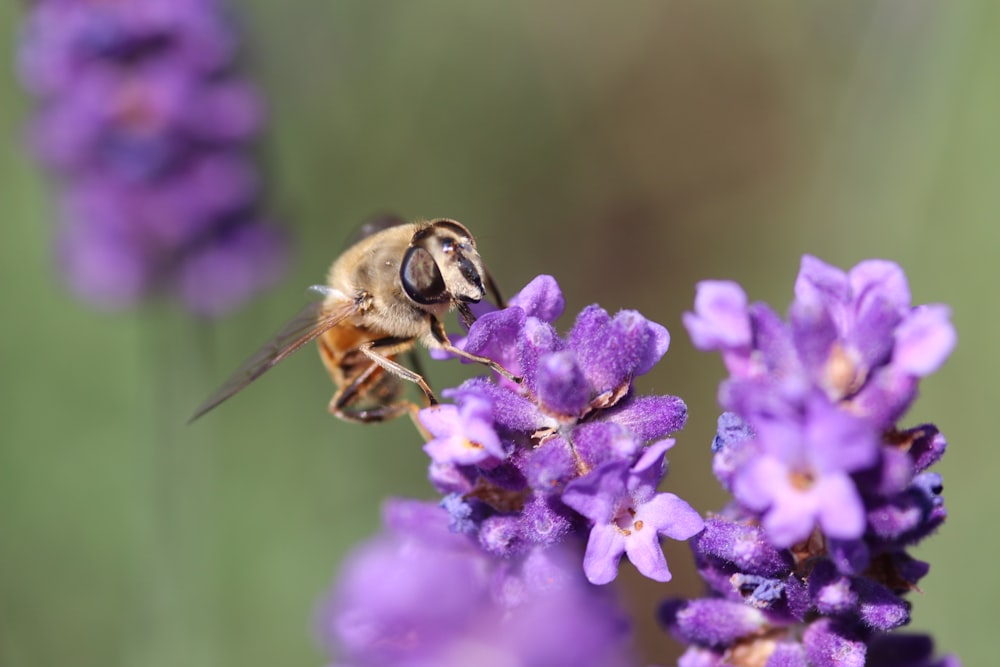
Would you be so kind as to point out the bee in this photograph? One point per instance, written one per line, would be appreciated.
(384, 294)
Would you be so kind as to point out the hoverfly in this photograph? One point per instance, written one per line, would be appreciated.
(385, 293)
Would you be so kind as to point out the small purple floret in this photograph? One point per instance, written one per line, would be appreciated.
(801, 475)
(463, 434)
(629, 516)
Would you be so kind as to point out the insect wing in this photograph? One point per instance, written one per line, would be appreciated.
(374, 225)
(312, 321)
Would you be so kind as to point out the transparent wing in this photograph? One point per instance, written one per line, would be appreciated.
(306, 326)
(374, 225)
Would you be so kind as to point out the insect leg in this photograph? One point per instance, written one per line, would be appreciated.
(380, 352)
(413, 359)
(349, 393)
(437, 329)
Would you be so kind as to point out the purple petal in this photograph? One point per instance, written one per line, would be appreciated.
(829, 645)
(831, 592)
(590, 340)
(695, 656)
(814, 334)
(871, 336)
(744, 545)
(538, 339)
(597, 443)
(560, 383)
(880, 608)
(501, 535)
(545, 522)
(596, 495)
(104, 267)
(788, 654)
(646, 554)
(837, 440)
(881, 278)
(905, 650)
(439, 420)
(928, 446)
(849, 556)
(230, 111)
(671, 516)
(822, 285)
(756, 484)
(613, 350)
(605, 547)
(657, 344)
(717, 623)
(652, 458)
(791, 518)
(885, 397)
(773, 340)
(495, 336)
(550, 467)
(449, 478)
(649, 417)
(463, 435)
(541, 298)
(510, 410)
(720, 319)
(424, 521)
(841, 512)
(639, 345)
(924, 340)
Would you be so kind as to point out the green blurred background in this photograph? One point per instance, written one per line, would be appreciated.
(629, 149)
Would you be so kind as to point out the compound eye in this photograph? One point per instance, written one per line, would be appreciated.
(421, 277)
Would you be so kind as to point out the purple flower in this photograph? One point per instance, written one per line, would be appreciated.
(147, 129)
(462, 435)
(807, 567)
(564, 454)
(923, 340)
(421, 595)
(860, 339)
(721, 321)
(612, 350)
(629, 516)
(801, 473)
(601, 355)
(852, 335)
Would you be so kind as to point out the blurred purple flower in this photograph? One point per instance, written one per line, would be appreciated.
(421, 595)
(721, 321)
(147, 130)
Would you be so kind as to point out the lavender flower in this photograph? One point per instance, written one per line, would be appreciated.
(852, 336)
(464, 436)
(629, 516)
(801, 474)
(147, 130)
(421, 595)
(807, 566)
(565, 452)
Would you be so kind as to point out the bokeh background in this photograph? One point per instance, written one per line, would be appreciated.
(629, 149)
